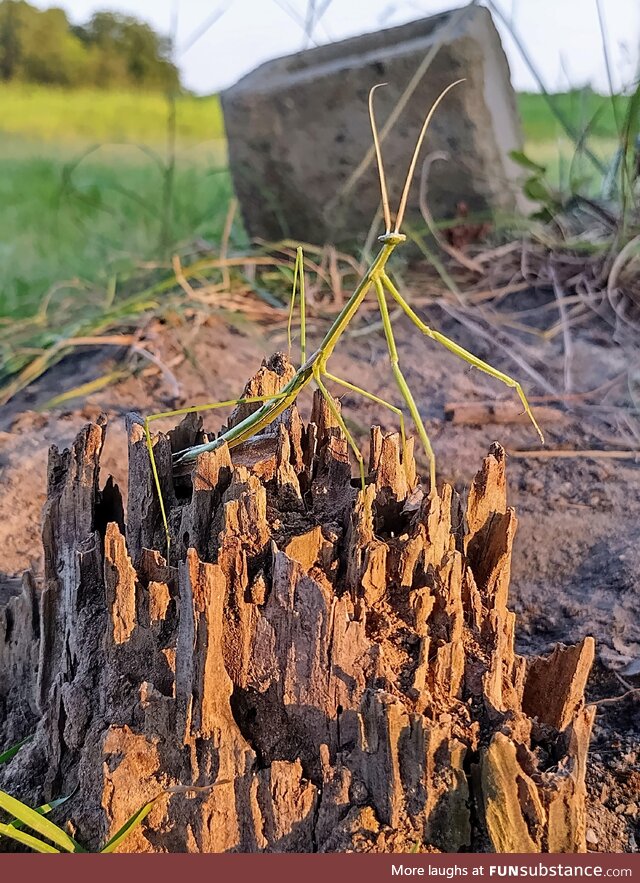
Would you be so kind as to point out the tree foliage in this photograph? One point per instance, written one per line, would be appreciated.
(110, 50)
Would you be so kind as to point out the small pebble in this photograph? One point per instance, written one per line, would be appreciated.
(631, 809)
(592, 837)
(620, 808)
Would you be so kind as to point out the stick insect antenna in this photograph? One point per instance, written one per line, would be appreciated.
(414, 159)
(376, 143)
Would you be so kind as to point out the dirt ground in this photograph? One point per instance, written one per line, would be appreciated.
(577, 554)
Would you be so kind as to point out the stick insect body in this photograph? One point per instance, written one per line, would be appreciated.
(314, 368)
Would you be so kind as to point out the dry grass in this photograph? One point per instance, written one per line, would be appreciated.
(249, 287)
(592, 276)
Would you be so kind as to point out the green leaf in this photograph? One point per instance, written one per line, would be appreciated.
(37, 822)
(44, 810)
(545, 215)
(26, 839)
(11, 752)
(523, 160)
(536, 190)
(130, 825)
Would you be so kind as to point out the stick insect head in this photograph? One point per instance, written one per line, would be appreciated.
(394, 237)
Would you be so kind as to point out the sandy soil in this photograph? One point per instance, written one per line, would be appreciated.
(577, 555)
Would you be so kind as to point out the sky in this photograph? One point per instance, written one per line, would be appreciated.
(562, 37)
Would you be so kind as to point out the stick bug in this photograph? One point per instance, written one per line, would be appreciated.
(314, 368)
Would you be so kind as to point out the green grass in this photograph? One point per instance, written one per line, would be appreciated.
(62, 117)
(82, 185)
(69, 215)
(582, 108)
(546, 141)
(70, 212)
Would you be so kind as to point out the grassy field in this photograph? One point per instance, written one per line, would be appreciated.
(586, 111)
(86, 189)
(73, 214)
(60, 117)
(594, 118)
(84, 185)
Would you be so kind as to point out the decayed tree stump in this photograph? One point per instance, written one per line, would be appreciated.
(330, 669)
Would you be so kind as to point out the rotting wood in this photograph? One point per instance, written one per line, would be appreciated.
(334, 670)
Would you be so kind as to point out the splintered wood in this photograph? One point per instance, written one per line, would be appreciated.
(331, 669)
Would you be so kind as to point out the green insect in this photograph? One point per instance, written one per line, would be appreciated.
(314, 368)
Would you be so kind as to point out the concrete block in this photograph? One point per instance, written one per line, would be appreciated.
(298, 128)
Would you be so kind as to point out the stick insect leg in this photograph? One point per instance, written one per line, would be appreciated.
(298, 277)
(461, 352)
(402, 383)
(340, 421)
(180, 412)
(373, 398)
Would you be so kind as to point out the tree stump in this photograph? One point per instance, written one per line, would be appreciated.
(329, 669)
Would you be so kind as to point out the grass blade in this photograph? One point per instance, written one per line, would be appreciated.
(37, 822)
(27, 839)
(130, 825)
(44, 810)
(11, 752)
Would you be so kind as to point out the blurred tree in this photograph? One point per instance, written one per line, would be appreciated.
(128, 50)
(9, 39)
(41, 46)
